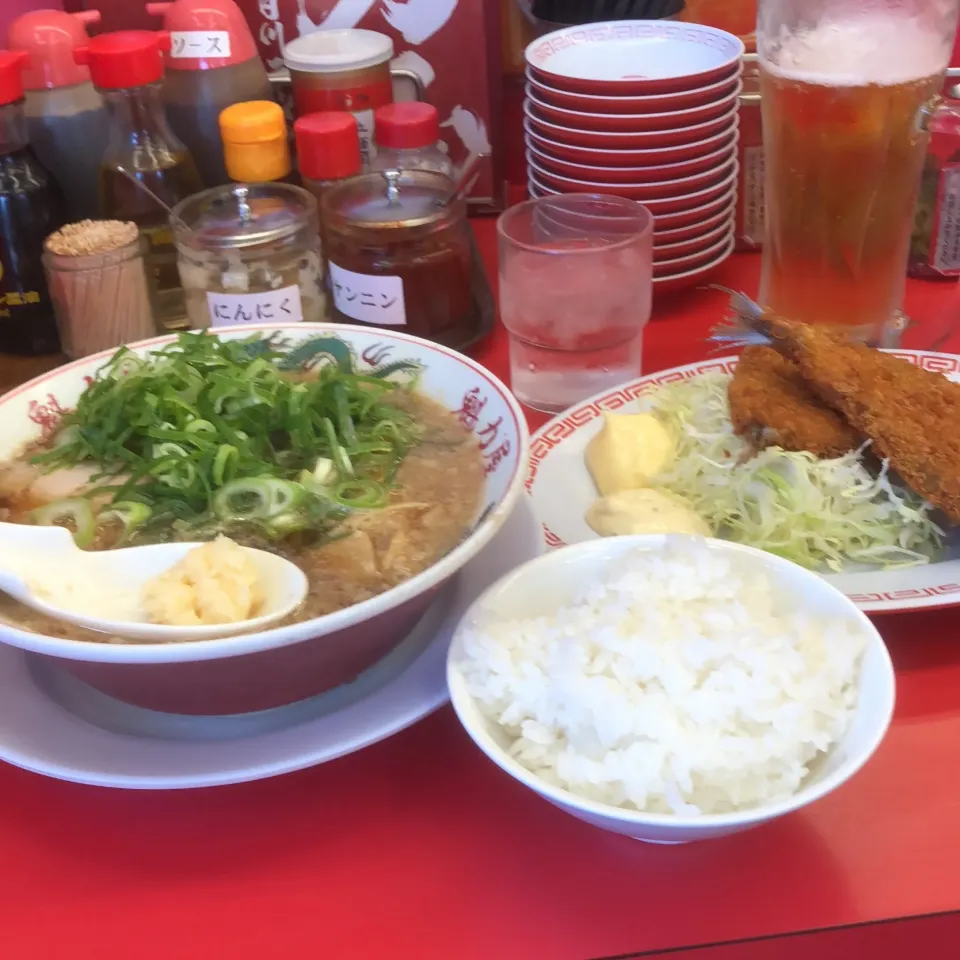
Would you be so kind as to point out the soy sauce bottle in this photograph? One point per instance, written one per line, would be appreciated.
(31, 207)
(127, 68)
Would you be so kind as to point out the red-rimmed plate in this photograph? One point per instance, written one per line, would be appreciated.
(704, 241)
(633, 122)
(656, 103)
(612, 157)
(603, 174)
(561, 489)
(634, 57)
(694, 277)
(655, 189)
(642, 139)
(660, 205)
(665, 269)
(726, 214)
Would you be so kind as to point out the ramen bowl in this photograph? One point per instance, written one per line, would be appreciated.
(644, 190)
(279, 666)
(654, 103)
(634, 57)
(630, 139)
(614, 175)
(668, 252)
(633, 122)
(613, 157)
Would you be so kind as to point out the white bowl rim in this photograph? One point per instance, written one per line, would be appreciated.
(716, 86)
(725, 250)
(728, 117)
(729, 183)
(537, 153)
(697, 28)
(276, 637)
(564, 798)
(717, 245)
(678, 182)
(534, 134)
(666, 115)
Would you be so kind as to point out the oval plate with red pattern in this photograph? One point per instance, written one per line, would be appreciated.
(561, 489)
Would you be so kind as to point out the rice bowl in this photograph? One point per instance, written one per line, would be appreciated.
(592, 723)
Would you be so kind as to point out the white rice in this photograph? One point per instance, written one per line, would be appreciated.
(677, 683)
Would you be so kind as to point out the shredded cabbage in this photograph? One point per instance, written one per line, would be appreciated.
(814, 512)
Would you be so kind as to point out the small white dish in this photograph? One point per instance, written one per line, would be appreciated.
(540, 586)
(40, 734)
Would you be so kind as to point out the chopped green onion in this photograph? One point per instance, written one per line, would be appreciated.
(130, 513)
(76, 514)
(360, 494)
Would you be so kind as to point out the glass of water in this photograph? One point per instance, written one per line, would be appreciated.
(575, 290)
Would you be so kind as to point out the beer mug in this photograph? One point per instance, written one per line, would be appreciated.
(847, 89)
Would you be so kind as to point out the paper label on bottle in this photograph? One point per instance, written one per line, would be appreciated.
(752, 200)
(365, 125)
(267, 306)
(199, 44)
(369, 299)
(945, 247)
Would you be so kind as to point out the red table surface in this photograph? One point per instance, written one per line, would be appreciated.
(420, 848)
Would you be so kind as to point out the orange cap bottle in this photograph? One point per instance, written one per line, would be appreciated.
(255, 147)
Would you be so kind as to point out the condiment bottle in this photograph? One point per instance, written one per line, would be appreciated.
(407, 137)
(328, 149)
(342, 70)
(212, 63)
(750, 210)
(400, 254)
(255, 145)
(98, 283)
(250, 253)
(66, 118)
(31, 206)
(127, 67)
(935, 243)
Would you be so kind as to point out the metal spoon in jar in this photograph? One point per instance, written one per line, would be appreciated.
(62, 581)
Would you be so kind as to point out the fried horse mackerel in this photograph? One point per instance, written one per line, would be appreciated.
(907, 413)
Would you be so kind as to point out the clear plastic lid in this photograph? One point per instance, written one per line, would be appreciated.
(393, 199)
(238, 216)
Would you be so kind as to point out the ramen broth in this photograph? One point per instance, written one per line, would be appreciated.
(433, 503)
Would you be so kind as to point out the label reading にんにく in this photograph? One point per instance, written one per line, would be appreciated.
(369, 299)
(267, 306)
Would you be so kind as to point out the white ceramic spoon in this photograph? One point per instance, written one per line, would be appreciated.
(33, 556)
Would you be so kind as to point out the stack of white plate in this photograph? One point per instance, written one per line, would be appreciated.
(644, 109)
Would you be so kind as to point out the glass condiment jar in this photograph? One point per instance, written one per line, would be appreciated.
(400, 254)
(250, 253)
(408, 138)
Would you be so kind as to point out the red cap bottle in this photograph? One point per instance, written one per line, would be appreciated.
(50, 37)
(12, 65)
(205, 34)
(125, 58)
(406, 126)
(328, 146)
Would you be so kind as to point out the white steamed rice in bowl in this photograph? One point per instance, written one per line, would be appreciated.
(676, 682)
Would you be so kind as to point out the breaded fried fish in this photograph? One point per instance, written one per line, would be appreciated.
(909, 413)
(772, 406)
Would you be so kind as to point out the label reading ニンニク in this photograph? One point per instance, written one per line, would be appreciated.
(369, 299)
(267, 306)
